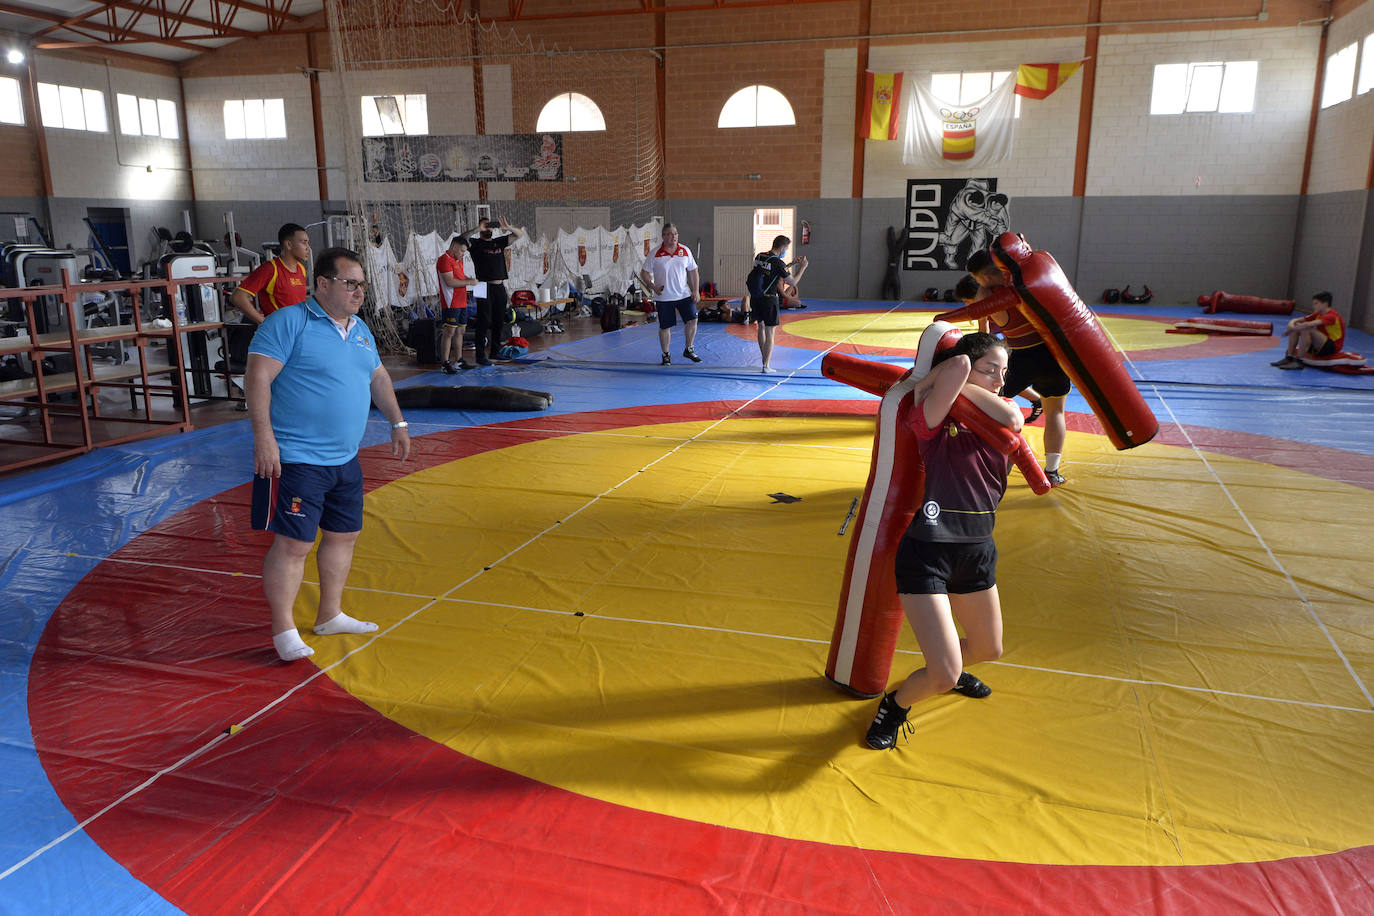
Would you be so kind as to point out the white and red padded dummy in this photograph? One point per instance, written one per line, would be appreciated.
(869, 617)
(1042, 293)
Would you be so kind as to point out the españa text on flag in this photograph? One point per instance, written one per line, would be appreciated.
(881, 94)
(1037, 81)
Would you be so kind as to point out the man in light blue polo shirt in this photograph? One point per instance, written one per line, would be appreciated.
(312, 373)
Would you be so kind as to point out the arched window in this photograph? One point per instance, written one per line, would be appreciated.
(568, 112)
(756, 106)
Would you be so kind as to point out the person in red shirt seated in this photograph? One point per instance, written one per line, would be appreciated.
(453, 295)
(1320, 334)
(278, 283)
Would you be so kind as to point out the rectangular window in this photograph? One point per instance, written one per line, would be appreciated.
(970, 86)
(147, 117)
(72, 108)
(385, 115)
(1366, 82)
(1340, 75)
(254, 119)
(167, 119)
(1206, 86)
(11, 106)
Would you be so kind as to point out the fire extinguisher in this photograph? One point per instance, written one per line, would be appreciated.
(806, 233)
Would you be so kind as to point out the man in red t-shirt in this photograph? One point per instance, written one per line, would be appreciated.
(278, 283)
(453, 297)
(1320, 334)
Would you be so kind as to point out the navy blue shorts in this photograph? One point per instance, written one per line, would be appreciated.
(455, 318)
(943, 567)
(668, 312)
(307, 497)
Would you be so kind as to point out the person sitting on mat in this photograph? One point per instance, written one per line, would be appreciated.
(968, 290)
(1032, 364)
(946, 566)
(1320, 334)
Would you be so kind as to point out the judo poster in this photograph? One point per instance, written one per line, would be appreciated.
(947, 219)
(480, 157)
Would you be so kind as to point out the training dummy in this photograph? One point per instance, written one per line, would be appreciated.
(869, 617)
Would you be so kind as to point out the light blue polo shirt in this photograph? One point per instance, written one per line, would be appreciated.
(322, 395)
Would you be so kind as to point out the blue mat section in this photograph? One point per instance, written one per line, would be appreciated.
(62, 520)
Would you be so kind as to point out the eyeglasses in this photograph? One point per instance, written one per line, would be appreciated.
(353, 286)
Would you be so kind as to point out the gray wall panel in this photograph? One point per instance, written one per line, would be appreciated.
(1186, 246)
(1328, 251)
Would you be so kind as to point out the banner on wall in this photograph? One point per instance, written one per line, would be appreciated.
(940, 133)
(485, 157)
(947, 219)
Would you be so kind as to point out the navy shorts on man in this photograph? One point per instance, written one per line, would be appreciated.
(307, 497)
(668, 312)
(455, 318)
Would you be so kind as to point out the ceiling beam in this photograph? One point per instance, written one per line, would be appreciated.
(269, 13)
(94, 42)
(220, 30)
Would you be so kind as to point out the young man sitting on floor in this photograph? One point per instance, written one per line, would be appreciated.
(1320, 334)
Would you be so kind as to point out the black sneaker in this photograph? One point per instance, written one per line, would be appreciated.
(691, 354)
(970, 686)
(1292, 363)
(1055, 478)
(1037, 408)
(667, 360)
(448, 369)
(1281, 361)
(483, 361)
(891, 719)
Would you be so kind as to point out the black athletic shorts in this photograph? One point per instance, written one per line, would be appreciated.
(1034, 366)
(942, 567)
(1326, 349)
(765, 310)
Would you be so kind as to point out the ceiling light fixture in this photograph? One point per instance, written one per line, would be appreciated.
(15, 56)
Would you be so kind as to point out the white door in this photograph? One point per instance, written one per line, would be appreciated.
(771, 222)
(734, 251)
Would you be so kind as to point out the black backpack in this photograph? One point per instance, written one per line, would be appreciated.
(610, 313)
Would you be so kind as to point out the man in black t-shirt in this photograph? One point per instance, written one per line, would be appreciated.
(488, 253)
(767, 283)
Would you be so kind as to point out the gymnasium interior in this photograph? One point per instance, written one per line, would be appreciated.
(609, 582)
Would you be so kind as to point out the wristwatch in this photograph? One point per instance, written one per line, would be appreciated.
(402, 425)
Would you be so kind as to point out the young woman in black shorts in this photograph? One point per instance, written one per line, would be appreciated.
(946, 563)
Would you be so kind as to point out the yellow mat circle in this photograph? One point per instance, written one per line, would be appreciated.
(1168, 696)
(901, 329)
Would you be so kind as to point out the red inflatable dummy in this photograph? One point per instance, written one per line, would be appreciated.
(869, 618)
(1223, 326)
(1346, 362)
(1071, 331)
(1226, 302)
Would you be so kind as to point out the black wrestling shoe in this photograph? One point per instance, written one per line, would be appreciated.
(1055, 478)
(891, 719)
(667, 360)
(970, 686)
(483, 361)
(1292, 363)
(448, 369)
(1282, 361)
(1037, 408)
(691, 354)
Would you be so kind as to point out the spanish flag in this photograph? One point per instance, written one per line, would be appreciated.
(881, 94)
(1037, 81)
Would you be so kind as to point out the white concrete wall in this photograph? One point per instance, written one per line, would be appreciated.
(1341, 147)
(1134, 153)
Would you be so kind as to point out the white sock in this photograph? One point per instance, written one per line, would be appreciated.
(1052, 461)
(342, 623)
(291, 647)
